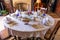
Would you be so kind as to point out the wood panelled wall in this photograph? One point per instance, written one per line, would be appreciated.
(58, 7)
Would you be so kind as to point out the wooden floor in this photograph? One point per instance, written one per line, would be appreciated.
(57, 37)
(54, 15)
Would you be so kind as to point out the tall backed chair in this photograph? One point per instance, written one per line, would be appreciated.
(51, 34)
(22, 6)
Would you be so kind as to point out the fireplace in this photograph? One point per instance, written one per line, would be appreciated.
(47, 4)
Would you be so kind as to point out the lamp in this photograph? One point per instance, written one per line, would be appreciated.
(38, 1)
(38, 4)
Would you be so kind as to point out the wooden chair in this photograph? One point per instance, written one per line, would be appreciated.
(4, 35)
(22, 6)
(50, 35)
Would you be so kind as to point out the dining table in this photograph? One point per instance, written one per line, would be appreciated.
(28, 29)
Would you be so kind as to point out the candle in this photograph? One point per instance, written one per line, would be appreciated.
(28, 7)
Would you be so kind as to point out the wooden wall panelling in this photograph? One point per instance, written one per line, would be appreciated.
(58, 7)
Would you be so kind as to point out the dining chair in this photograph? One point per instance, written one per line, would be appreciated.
(4, 35)
(22, 6)
(51, 34)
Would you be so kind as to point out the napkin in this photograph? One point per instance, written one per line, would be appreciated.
(17, 11)
(46, 21)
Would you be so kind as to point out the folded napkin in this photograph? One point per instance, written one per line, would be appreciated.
(46, 21)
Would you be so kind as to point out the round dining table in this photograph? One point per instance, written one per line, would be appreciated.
(24, 31)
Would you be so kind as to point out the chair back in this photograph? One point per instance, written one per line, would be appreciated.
(51, 34)
(22, 6)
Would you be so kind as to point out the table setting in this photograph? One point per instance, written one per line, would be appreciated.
(28, 24)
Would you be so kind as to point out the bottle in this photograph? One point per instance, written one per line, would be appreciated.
(38, 4)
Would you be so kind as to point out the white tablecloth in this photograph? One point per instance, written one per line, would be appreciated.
(1, 23)
(24, 31)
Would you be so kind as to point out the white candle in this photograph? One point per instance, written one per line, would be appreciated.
(28, 7)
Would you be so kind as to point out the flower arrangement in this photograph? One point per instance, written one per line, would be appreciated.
(3, 12)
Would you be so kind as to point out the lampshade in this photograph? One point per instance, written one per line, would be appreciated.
(38, 1)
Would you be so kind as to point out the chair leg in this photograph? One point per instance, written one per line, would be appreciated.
(19, 38)
(53, 38)
(53, 35)
(16, 38)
